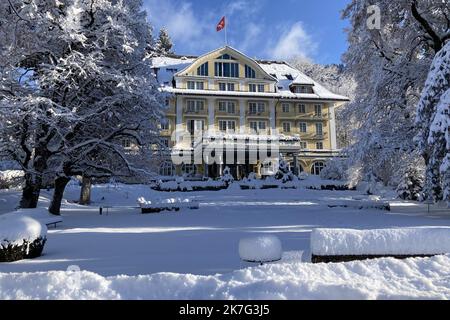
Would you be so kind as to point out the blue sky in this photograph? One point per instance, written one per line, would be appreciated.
(265, 29)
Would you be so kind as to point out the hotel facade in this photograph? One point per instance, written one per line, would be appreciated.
(227, 96)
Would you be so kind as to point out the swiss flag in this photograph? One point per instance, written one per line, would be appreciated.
(221, 25)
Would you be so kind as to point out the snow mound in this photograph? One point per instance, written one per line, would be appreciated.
(381, 279)
(16, 229)
(40, 214)
(260, 249)
(413, 241)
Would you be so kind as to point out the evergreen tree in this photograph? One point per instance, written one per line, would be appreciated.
(164, 43)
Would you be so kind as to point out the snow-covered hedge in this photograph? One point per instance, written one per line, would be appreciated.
(21, 237)
(345, 244)
(188, 186)
(173, 204)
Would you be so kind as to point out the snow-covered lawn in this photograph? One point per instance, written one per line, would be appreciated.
(205, 242)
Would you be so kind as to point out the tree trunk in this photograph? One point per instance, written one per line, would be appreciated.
(60, 186)
(85, 196)
(31, 192)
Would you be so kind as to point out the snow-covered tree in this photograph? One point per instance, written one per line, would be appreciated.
(164, 43)
(390, 66)
(433, 121)
(90, 90)
(411, 183)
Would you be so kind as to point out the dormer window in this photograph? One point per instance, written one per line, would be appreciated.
(195, 85)
(302, 89)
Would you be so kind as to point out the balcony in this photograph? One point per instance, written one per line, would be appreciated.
(198, 112)
(251, 114)
(314, 136)
(311, 116)
(236, 113)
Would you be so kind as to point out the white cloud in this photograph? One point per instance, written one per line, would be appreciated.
(293, 42)
(180, 20)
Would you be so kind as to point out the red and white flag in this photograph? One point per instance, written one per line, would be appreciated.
(221, 25)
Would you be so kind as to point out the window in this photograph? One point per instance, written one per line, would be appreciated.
(195, 106)
(126, 143)
(249, 72)
(223, 86)
(227, 106)
(302, 108)
(319, 129)
(252, 87)
(226, 57)
(317, 168)
(258, 126)
(203, 70)
(257, 107)
(318, 110)
(165, 125)
(319, 145)
(303, 127)
(286, 108)
(226, 69)
(303, 145)
(303, 89)
(286, 127)
(165, 143)
(227, 125)
(195, 85)
(195, 126)
(167, 169)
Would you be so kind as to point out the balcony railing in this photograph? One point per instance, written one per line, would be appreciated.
(195, 111)
(226, 113)
(257, 114)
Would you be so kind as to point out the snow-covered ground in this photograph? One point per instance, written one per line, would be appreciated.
(205, 242)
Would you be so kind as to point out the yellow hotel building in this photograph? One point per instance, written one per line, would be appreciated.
(228, 94)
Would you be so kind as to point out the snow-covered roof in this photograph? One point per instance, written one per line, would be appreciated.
(285, 75)
(168, 66)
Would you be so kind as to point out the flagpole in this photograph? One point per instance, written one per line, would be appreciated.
(226, 36)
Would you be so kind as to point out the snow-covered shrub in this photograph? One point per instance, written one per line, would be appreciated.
(11, 179)
(260, 249)
(227, 178)
(411, 184)
(303, 176)
(21, 237)
(336, 169)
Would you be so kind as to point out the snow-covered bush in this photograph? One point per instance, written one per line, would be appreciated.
(411, 185)
(227, 178)
(336, 169)
(260, 249)
(21, 237)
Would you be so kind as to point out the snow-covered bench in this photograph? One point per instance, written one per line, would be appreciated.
(157, 206)
(361, 205)
(40, 214)
(343, 245)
